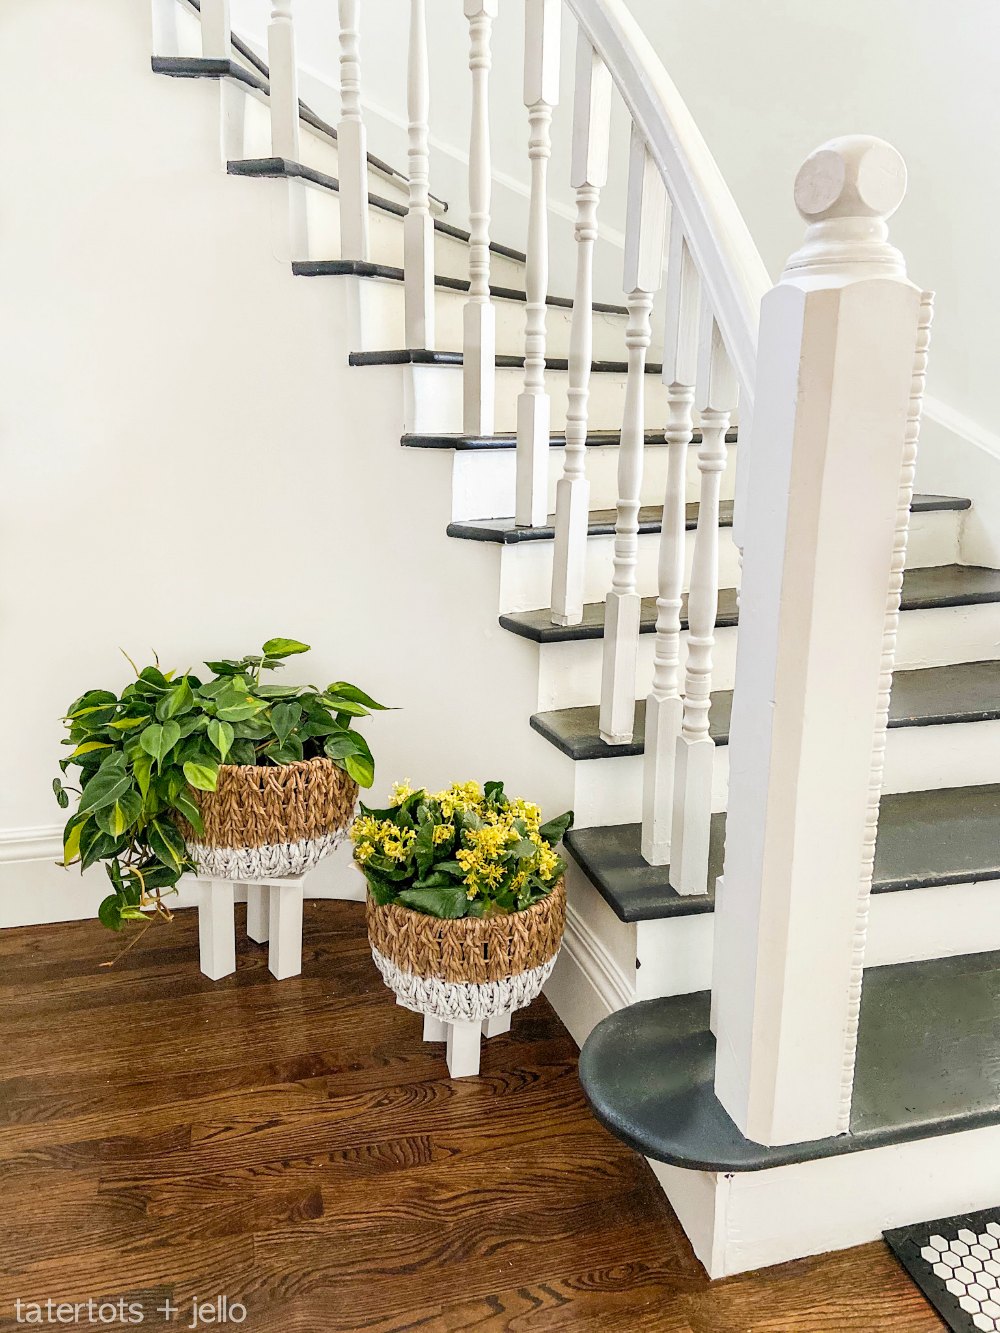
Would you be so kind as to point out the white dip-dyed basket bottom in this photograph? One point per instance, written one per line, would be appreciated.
(463, 1001)
(269, 861)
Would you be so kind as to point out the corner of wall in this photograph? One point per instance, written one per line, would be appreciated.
(958, 456)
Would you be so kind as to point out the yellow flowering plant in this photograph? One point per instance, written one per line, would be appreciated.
(464, 851)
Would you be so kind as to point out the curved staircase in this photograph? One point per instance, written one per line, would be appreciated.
(562, 465)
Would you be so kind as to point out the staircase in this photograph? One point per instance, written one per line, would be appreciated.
(564, 461)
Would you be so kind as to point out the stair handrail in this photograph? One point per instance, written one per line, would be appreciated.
(726, 255)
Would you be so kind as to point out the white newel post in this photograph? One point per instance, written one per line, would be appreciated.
(284, 81)
(541, 93)
(842, 349)
(589, 173)
(645, 223)
(418, 225)
(215, 31)
(694, 760)
(664, 705)
(352, 148)
(479, 323)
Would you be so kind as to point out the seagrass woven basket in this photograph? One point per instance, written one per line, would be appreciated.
(269, 822)
(472, 968)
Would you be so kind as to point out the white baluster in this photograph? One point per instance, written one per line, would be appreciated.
(644, 229)
(215, 31)
(418, 225)
(664, 705)
(591, 130)
(479, 322)
(284, 80)
(541, 93)
(352, 148)
(695, 754)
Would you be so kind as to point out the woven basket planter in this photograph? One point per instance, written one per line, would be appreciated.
(264, 823)
(470, 969)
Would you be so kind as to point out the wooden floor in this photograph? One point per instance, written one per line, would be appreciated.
(294, 1146)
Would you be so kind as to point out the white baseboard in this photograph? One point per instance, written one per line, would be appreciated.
(752, 1219)
(587, 984)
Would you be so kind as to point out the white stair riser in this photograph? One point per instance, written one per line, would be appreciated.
(526, 567)
(382, 322)
(484, 479)
(609, 791)
(570, 672)
(434, 399)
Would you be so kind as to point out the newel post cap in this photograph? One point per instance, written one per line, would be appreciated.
(857, 176)
(845, 191)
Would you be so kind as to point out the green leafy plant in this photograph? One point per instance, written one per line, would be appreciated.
(142, 755)
(464, 851)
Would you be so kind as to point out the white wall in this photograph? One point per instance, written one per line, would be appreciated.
(767, 82)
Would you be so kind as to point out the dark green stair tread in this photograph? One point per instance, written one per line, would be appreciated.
(924, 697)
(925, 1066)
(923, 589)
(422, 356)
(926, 839)
(508, 440)
(601, 522)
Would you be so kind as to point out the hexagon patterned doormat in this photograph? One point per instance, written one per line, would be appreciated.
(955, 1262)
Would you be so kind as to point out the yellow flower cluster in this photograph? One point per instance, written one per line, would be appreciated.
(380, 835)
(485, 850)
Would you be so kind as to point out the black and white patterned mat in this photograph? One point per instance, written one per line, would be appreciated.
(955, 1262)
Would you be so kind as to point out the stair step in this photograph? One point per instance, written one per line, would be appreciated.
(925, 1066)
(363, 268)
(601, 522)
(923, 589)
(928, 696)
(507, 440)
(926, 839)
(422, 356)
(201, 67)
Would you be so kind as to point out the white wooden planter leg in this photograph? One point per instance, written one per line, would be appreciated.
(284, 955)
(258, 912)
(497, 1025)
(463, 1049)
(217, 928)
(435, 1029)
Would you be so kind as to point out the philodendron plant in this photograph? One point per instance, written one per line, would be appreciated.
(143, 754)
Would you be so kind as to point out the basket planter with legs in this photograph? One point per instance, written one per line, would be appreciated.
(466, 976)
(268, 822)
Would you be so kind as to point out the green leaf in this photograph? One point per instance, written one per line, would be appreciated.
(221, 735)
(142, 768)
(382, 889)
(88, 747)
(347, 707)
(284, 647)
(239, 712)
(167, 843)
(95, 845)
(556, 829)
(449, 902)
(341, 744)
(284, 718)
(342, 689)
(116, 819)
(279, 691)
(71, 837)
(423, 847)
(361, 768)
(179, 700)
(225, 667)
(185, 804)
(110, 912)
(288, 751)
(159, 740)
(153, 679)
(203, 774)
(92, 699)
(523, 849)
(242, 752)
(61, 794)
(104, 788)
